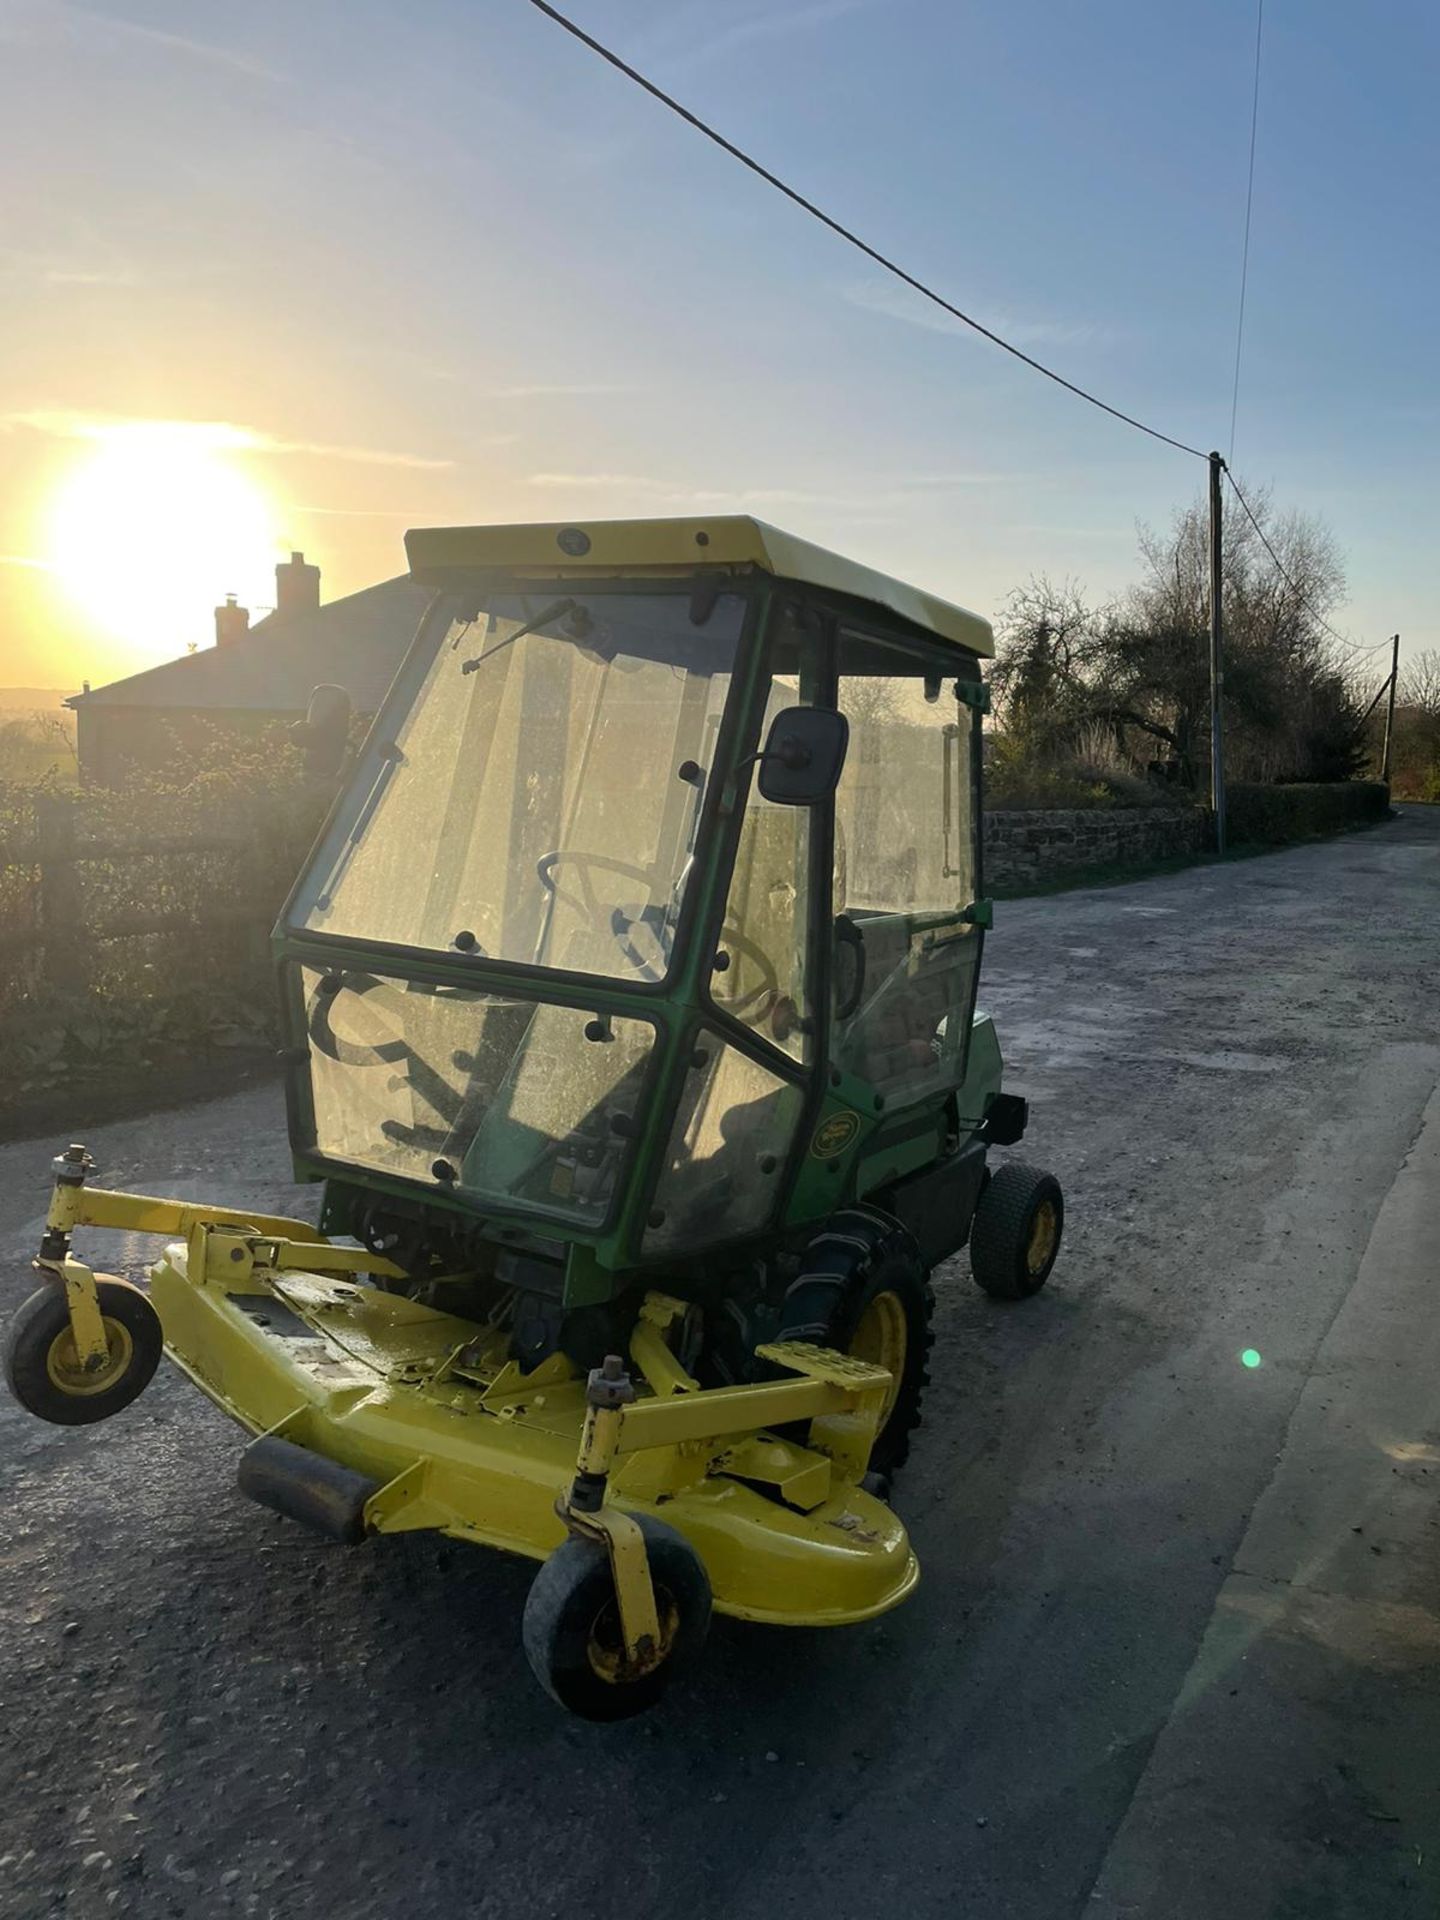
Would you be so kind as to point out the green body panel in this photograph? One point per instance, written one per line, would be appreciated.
(831, 1151)
(984, 1071)
(891, 1159)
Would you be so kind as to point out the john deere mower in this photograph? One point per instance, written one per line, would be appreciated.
(629, 1006)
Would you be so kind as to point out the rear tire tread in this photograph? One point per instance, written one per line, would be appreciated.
(823, 1305)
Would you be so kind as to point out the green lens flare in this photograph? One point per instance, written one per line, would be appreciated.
(1250, 1358)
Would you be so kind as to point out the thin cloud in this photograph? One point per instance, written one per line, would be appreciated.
(55, 270)
(223, 435)
(667, 490)
(665, 497)
(89, 277)
(366, 513)
(25, 560)
(362, 456)
(948, 482)
(1053, 531)
(608, 482)
(682, 44)
(99, 268)
(33, 24)
(546, 392)
(885, 492)
(899, 303)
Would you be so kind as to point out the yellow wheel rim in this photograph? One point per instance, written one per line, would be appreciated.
(605, 1648)
(1044, 1231)
(883, 1338)
(67, 1375)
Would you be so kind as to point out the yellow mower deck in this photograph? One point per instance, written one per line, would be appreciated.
(457, 1439)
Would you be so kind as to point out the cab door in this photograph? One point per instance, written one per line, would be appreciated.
(907, 869)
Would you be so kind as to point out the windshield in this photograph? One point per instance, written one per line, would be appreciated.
(539, 799)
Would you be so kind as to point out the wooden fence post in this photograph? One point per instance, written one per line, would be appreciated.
(61, 921)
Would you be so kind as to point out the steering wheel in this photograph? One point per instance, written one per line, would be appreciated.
(588, 901)
(765, 995)
(352, 1053)
(395, 1050)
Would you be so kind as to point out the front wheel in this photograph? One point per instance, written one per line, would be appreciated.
(572, 1633)
(43, 1370)
(1015, 1235)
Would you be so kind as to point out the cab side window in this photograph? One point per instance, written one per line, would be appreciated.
(905, 870)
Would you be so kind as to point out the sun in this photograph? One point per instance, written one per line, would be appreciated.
(155, 528)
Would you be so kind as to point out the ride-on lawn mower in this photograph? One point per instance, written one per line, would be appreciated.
(629, 997)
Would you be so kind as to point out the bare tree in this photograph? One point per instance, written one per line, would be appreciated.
(1415, 747)
(1049, 653)
(1420, 684)
(1140, 668)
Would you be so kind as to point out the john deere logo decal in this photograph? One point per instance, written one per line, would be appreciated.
(834, 1135)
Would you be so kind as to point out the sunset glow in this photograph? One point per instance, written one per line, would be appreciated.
(152, 528)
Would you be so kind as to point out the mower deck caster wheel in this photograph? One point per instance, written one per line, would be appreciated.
(1015, 1235)
(43, 1370)
(572, 1624)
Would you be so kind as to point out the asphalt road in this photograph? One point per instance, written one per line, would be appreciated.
(1177, 1644)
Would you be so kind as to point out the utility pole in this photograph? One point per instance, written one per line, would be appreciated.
(1217, 659)
(1390, 709)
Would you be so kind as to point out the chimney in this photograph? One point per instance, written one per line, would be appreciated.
(297, 587)
(231, 622)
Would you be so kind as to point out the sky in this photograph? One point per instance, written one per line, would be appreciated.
(279, 277)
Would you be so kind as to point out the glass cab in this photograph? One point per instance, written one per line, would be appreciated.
(559, 962)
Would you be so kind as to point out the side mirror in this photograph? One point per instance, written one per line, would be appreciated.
(324, 733)
(803, 757)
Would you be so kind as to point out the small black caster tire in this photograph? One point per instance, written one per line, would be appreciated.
(1015, 1234)
(571, 1627)
(41, 1368)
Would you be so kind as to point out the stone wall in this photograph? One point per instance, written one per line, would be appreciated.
(1030, 848)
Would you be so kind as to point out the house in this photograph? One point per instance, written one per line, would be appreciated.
(253, 675)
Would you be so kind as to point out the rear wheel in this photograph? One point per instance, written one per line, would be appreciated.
(1016, 1232)
(864, 1291)
(43, 1369)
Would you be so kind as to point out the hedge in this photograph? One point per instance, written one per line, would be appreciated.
(134, 926)
(1275, 816)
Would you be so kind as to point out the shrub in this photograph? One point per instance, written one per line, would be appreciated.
(1095, 774)
(134, 923)
(1274, 816)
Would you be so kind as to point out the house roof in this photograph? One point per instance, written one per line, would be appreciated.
(357, 643)
(733, 542)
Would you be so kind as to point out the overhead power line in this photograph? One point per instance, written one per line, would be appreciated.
(1355, 646)
(890, 266)
(1249, 203)
(845, 233)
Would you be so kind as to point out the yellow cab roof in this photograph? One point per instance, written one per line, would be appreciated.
(601, 548)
